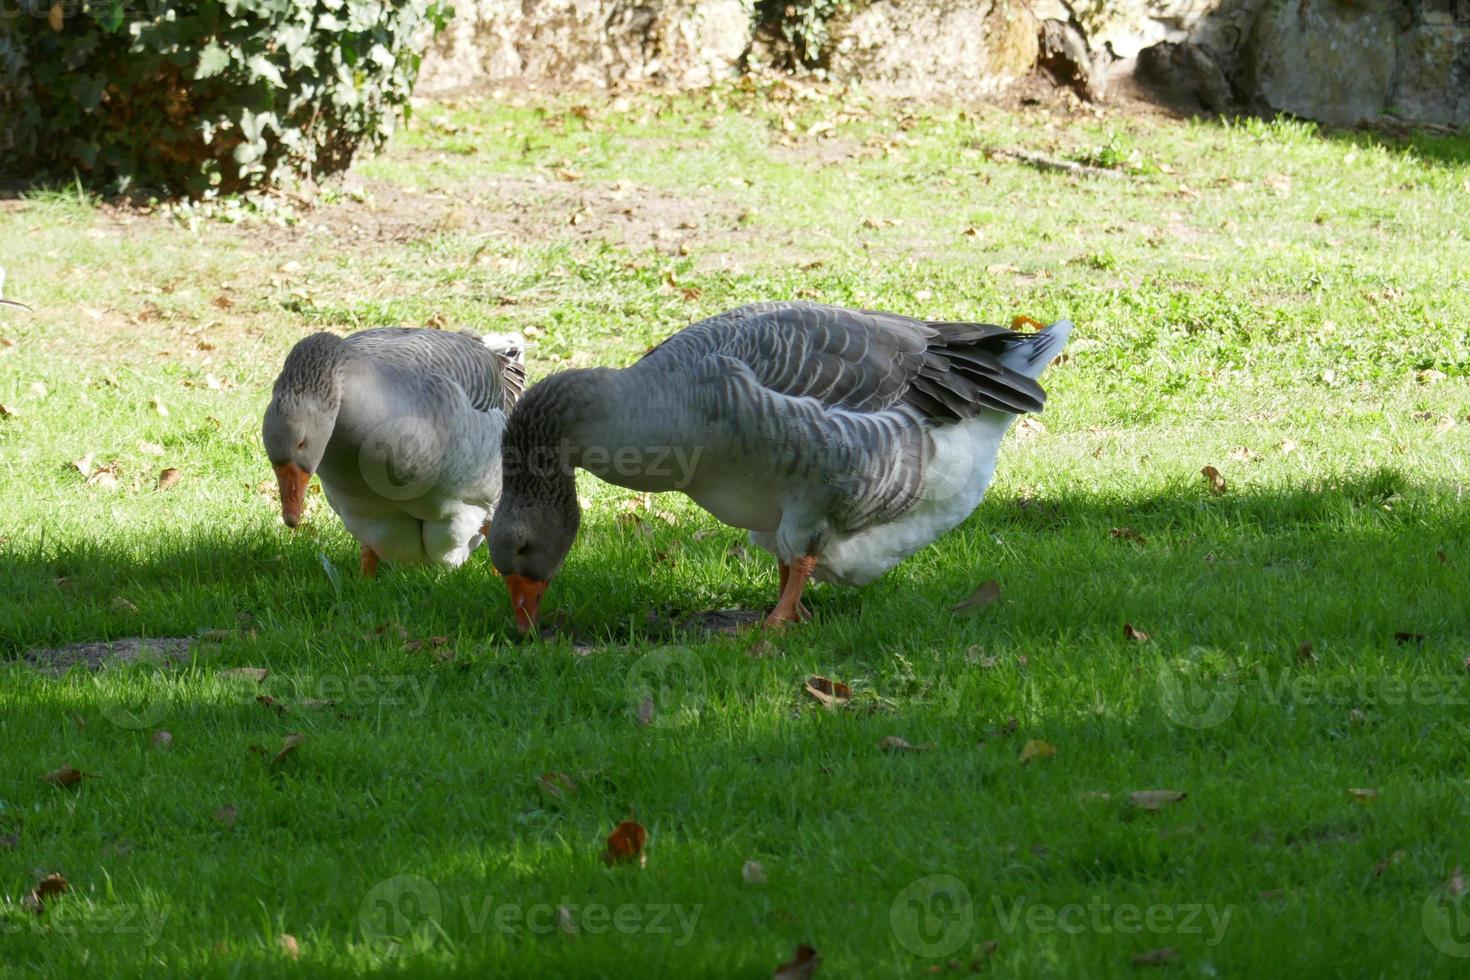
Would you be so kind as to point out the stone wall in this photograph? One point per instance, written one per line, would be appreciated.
(1338, 61)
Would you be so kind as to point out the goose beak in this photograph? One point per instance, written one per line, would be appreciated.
(525, 599)
(293, 480)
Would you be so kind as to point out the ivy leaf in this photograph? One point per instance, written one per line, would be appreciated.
(264, 68)
(213, 59)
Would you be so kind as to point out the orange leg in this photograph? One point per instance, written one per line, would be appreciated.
(793, 581)
(369, 562)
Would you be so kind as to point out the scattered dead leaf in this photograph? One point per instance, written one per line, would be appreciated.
(1126, 534)
(66, 776)
(1363, 795)
(1456, 885)
(119, 604)
(564, 920)
(828, 692)
(46, 889)
(1153, 799)
(1030, 428)
(1156, 957)
(557, 785)
(169, 478)
(803, 964)
(896, 743)
(162, 739)
(1385, 863)
(625, 844)
(1306, 653)
(1403, 637)
(752, 872)
(1214, 479)
(270, 702)
(1131, 632)
(646, 711)
(226, 816)
(1037, 749)
(290, 946)
(288, 746)
(159, 406)
(985, 593)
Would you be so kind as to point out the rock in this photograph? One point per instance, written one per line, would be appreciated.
(1432, 83)
(1185, 75)
(1323, 59)
(960, 46)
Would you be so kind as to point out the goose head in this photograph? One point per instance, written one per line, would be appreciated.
(301, 416)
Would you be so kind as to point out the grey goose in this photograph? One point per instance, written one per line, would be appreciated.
(843, 440)
(403, 428)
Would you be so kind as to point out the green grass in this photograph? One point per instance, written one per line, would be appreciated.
(1285, 304)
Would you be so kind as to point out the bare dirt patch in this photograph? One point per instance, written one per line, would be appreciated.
(163, 651)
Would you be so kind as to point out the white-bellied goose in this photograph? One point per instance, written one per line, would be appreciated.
(843, 440)
(403, 426)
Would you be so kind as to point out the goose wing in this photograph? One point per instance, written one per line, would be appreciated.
(491, 372)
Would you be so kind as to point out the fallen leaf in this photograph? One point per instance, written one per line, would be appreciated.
(1456, 885)
(895, 743)
(976, 655)
(427, 643)
(119, 604)
(646, 712)
(159, 406)
(47, 888)
(1306, 653)
(1131, 632)
(1440, 556)
(226, 815)
(803, 964)
(169, 478)
(564, 920)
(288, 746)
(1363, 795)
(290, 946)
(1037, 749)
(753, 873)
(985, 593)
(6, 412)
(827, 691)
(1156, 957)
(65, 776)
(1126, 534)
(1385, 863)
(256, 674)
(83, 465)
(1402, 638)
(1153, 799)
(272, 703)
(1242, 454)
(626, 843)
(1214, 479)
(1286, 447)
(705, 532)
(162, 739)
(150, 449)
(38, 389)
(557, 785)
(1030, 428)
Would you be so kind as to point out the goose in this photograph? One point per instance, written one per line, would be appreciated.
(403, 427)
(842, 440)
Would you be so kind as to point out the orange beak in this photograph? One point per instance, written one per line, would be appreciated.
(293, 480)
(525, 599)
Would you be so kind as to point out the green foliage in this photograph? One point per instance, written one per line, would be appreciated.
(802, 24)
(195, 98)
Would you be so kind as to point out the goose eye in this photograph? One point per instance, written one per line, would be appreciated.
(301, 445)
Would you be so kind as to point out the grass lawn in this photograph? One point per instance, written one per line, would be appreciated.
(1287, 305)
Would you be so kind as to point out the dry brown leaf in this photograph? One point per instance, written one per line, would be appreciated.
(1030, 428)
(985, 593)
(1131, 632)
(290, 946)
(1403, 638)
(1306, 653)
(896, 743)
(288, 746)
(169, 478)
(1126, 534)
(1392, 860)
(119, 604)
(47, 888)
(1037, 749)
(159, 406)
(646, 711)
(256, 674)
(6, 412)
(625, 844)
(162, 739)
(1153, 799)
(1156, 957)
(557, 785)
(270, 702)
(753, 872)
(226, 815)
(66, 776)
(803, 964)
(1214, 479)
(1363, 795)
(827, 691)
